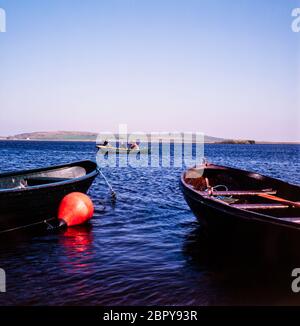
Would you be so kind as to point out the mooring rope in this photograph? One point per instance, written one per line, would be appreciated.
(113, 193)
(30, 225)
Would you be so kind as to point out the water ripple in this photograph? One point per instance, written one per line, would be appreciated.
(144, 250)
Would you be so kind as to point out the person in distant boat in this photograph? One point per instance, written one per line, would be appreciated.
(105, 143)
(134, 146)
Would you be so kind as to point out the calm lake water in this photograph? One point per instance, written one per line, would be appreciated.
(147, 249)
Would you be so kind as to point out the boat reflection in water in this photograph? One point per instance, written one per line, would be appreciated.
(243, 273)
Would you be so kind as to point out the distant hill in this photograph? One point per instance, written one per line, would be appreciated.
(56, 135)
(92, 136)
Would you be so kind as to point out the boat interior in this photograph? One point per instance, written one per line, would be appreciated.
(31, 179)
(245, 190)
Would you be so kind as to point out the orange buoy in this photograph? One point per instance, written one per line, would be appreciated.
(75, 208)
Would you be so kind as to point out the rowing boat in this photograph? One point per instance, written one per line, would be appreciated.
(236, 203)
(32, 197)
(120, 150)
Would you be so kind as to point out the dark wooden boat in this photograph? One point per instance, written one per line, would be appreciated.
(32, 197)
(247, 206)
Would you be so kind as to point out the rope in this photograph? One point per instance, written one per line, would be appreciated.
(219, 186)
(113, 193)
(29, 225)
(210, 190)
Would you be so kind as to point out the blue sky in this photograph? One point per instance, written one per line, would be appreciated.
(229, 68)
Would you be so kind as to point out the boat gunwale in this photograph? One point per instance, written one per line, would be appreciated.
(89, 175)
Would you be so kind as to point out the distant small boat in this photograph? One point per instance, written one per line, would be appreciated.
(120, 150)
(32, 197)
(237, 203)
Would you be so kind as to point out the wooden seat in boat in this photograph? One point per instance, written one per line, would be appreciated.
(237, 193)
(260, 206)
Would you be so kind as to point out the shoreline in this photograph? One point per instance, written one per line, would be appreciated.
(154, 142)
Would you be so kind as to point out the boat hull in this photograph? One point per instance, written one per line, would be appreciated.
(276, 241)
(24, 208)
